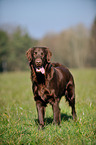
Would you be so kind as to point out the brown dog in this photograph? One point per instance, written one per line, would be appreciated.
(51, 81)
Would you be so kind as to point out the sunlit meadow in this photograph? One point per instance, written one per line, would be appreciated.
(18, 116)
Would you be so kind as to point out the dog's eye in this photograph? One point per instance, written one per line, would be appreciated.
(42, 53)
(35, 53)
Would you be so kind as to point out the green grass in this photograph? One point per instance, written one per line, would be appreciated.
(18, 116)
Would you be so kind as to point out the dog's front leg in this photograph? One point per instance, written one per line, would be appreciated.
(41, 113)
(56, 113)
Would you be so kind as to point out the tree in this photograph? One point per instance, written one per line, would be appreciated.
(19, 44)
(13, 49)
(93, 44)
(3, 50)
(70, 47)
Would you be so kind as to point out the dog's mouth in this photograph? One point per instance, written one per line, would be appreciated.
(40, 70)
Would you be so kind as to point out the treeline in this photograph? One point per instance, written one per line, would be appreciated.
(75, 47)
(13, 49)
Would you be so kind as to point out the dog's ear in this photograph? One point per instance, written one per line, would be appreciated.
(29, 54)
(49, 54)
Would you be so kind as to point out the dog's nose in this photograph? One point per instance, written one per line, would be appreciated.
(38, 62)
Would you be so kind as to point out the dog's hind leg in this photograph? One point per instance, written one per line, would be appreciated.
(70, 97)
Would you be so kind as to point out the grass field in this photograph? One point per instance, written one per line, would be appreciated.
(18, 116)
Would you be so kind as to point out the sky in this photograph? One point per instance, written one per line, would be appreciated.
(40, 17)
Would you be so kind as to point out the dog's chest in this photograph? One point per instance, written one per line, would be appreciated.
(45, 92)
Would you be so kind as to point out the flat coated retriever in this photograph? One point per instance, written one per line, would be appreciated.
(51, 81)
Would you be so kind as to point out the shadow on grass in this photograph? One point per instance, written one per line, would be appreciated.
(49, 120)
(65, 117)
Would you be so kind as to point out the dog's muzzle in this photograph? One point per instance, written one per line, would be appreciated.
(39, 67)
(38, 62)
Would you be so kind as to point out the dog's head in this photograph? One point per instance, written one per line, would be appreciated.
(39, 57)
